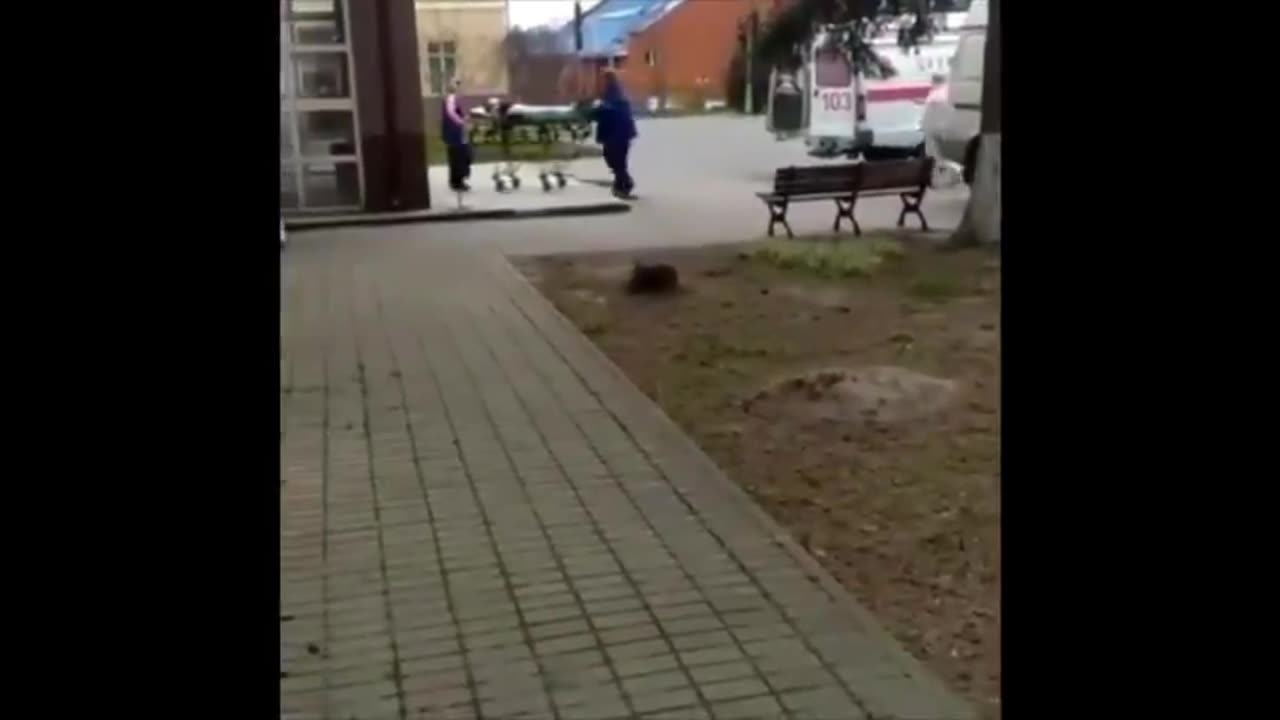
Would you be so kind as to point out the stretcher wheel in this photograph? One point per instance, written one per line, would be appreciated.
(546, 181)
(560, 180)
(503, 183)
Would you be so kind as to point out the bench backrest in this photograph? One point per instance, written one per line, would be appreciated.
(894, 174)
(815, 179)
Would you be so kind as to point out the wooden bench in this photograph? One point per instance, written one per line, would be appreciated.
(844, 184)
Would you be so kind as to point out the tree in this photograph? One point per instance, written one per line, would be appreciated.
(535, 61)
(981, 221)
(785, 36)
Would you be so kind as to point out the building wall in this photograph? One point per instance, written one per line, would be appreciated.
(685, 56)
(477, 29)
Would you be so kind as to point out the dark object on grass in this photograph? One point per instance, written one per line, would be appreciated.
(652, 279)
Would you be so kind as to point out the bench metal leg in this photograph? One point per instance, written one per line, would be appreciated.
(911, 204)
(778, 214)
(844, 209)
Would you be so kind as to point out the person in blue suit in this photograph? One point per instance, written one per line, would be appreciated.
(615, 129)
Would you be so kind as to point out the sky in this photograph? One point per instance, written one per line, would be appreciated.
(531, 13)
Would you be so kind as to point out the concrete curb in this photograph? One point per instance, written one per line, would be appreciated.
(441, 216)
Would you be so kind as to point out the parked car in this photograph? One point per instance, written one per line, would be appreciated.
(953, 111)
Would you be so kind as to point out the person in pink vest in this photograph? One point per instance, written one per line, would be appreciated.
(453, 129)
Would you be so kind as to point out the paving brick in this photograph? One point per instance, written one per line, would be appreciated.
(703, 674)
(797, 678)
(733, 689)
(362, 674)
(684, 713)
(638, 649)
(600, 710)
(630, 633)
(631, 667)
(452, 342)
(565, 644)
(572, 664)
(553, 614)
(525, 706)
(821, 703)
(498, 639)
(492, 623)
(758, 708)
(650, 683)
(698, 641)
(431, 665)
(551, 630)
(435, 682)
(710, 656)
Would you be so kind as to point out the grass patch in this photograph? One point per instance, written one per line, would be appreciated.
(934, 288)
(488, 152)
(830, 259)
(904, 511)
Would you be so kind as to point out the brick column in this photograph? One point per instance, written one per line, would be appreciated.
(384, 47)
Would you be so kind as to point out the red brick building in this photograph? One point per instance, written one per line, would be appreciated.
(669, 53)
(684, 57)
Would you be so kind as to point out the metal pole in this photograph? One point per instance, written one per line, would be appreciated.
(577, 50)
(748, 102)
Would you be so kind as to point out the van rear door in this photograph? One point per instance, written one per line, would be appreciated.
(831, 114)
(964, 95)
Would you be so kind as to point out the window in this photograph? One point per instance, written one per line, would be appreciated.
(651, 58)
(831, 69)
(442, 65)
(327, 132)
(322, 75)
(317, 22)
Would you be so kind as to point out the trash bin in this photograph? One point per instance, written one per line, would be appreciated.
(788, 106)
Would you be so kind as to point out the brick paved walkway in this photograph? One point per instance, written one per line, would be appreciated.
(480, 517)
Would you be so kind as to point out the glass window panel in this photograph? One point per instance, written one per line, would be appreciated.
(831, 69)
(435, 75)
(315, 9)
(331, 184)
(327, 132)
(286, 135)
(322, 75)
(288, 187)
(318, 32)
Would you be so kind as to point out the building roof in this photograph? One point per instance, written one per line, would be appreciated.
(608, 25)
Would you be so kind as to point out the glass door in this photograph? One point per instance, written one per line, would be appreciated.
(320, 162)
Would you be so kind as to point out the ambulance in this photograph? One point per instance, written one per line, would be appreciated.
(843, 113)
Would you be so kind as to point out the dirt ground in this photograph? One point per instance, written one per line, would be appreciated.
(861, 412)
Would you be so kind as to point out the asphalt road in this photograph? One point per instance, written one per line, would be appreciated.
(696, 178)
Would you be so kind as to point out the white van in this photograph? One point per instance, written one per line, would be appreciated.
(953, 112)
